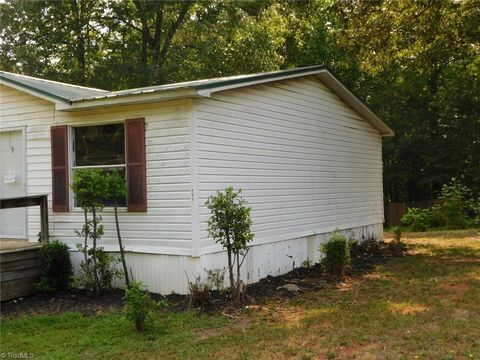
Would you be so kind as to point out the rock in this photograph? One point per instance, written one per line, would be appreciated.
(290, 287)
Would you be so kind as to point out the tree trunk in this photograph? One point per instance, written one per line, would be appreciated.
(238, 284)
(79, 12)
(85, 245)
(122, 254)
(158, 32)
(230, 271)
(95, 274)
(174, 26)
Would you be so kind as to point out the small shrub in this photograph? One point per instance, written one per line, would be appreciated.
(337, 254)
(397, 233)
(199, 293)
(138, 305)
(475, 209)
(453, 212)
(417, 219)
(371, 247)
(56, 267)
(352, 244)
(395, 248)
(229, 225)
(216, 278)
(307, 263)
(106, 271)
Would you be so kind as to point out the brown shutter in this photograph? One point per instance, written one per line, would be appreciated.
(136, 165)
(60, 193)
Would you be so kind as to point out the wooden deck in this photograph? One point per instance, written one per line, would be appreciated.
(19, 268)
(8, 245)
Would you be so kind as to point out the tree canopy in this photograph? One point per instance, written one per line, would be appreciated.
(416, 63)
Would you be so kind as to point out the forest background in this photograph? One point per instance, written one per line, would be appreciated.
(415, 63)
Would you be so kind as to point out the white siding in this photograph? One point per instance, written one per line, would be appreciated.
(306, 161)
(166, 227)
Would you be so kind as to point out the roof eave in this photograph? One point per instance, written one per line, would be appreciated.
(130, 99)
(208, 89)
(57, 99)
(346, 95)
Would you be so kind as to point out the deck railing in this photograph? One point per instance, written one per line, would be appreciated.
(33, 200)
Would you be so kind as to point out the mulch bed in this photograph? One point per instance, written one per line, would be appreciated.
(311, 279)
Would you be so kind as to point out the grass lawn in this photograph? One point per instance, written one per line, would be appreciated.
(422, 306)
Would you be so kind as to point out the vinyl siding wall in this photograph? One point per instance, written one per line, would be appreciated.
(166, 227)
(306, 161)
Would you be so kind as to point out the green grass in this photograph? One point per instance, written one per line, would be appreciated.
(422, 306)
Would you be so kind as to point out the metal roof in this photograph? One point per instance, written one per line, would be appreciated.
(53, 89)
(78, 97)
(72, 93)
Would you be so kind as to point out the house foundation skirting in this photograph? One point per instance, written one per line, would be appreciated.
(165, 274)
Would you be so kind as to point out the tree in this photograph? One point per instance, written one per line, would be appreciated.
(409, 60)
(116, 191)
(51, 39)
(416, 64)
(89, 187)
(229, 225)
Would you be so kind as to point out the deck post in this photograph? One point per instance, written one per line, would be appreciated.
(44, 234)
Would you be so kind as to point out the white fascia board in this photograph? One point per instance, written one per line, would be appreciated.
(346, 95)
(208, 92)
(127, 99)
(33, 93)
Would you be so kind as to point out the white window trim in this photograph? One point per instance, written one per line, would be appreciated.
(72, 167)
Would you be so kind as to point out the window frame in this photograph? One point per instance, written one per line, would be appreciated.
(72, 167)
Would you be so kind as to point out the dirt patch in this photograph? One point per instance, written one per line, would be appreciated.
(310, 280)
(408, 309)
(453, 290)
(456, 287)
(241, 325)
(461, 314)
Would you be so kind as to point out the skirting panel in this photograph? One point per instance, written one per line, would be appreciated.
(165, 274)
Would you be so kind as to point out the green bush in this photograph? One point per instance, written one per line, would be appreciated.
(106, 271)
(199, 293)
(456, 204)
(418, 219)
(475, 208)
(56, 267)
(397, 233)
(337, 254)
(138, 305)
(215, 279)
(229, 225)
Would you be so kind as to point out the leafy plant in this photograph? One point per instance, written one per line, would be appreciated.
(337, 254)
(229, 225)
(90, 187)
(138, 305)
(475, 208)
(307, 263)
(215, 278)
(106, 271)
(199, 293)
(453, 211)
(397, 233)
(417, 219)
(56, 267)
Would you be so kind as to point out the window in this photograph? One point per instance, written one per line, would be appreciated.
(100, 147)
(113, 147)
